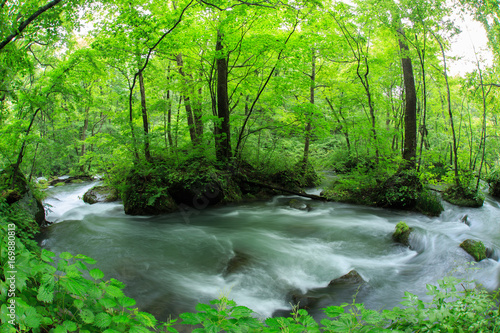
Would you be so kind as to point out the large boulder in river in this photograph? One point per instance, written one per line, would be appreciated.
(100, 194)
(475, 248)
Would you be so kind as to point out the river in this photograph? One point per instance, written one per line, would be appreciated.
(171, 262)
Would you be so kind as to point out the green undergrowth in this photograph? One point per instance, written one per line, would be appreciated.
(381, 187)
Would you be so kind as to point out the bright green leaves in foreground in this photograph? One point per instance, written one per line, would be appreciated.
(74, 298)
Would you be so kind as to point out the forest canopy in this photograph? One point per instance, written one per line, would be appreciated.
(102, 87)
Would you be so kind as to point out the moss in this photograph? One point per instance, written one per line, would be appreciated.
(463, 196)
(60, 184)
(402, 233)
(475, 248)
(76, 181)
(100, 194)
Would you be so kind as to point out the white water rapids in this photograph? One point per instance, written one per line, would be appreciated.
(170, 263)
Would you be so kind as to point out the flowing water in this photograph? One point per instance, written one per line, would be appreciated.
(171, 262)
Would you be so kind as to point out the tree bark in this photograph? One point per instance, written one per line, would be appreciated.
(145, 122)
(308, 114)
(187, 102)
(222, 132)
(410, 117)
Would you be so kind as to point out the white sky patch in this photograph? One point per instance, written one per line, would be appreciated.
(473, 36)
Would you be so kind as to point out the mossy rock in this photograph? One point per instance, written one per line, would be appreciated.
(76, 181)
(463, 197)
(402, 234)
(100, 194)
(400, 191)
(59, 184)
(475, 248)
(22, 198)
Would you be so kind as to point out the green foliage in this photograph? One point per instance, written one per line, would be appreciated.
(429, 203)
(493, 179)
(464, 196)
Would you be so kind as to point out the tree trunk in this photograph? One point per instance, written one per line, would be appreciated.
(145, 122)
(448, 97)
(187, 102)
(309, 114)
(21, 151)
(223, 135)
(410, 140)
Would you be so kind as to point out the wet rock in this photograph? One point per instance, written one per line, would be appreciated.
(100, 194)
(352, 277)
(237, 263)
(298, 204)
(475, 248)
(402, 234)
(465, 219)
(305, 302)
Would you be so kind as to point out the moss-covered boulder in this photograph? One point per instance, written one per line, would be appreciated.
(402, 234)
(463, 196)
(147, 195)
(19, 195)
(100, 194)
(475, 248)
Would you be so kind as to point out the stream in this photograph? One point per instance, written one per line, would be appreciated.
(171, 262)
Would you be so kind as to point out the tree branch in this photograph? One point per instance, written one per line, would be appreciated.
(27, 22)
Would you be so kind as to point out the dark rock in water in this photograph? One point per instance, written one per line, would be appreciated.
(237, 263)
(100, 194)
(298, 204)
(304, 301)
(352, 277)
(475, 248)
(465, 219)
(402, 234)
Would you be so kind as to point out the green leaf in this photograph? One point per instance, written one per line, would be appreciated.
(70, 325)
(241, 311)
(146, 319)
(102, 320)
(121, 319)
(126, 301)
(88, 260)
(108, 303)
(334, 311)
(78, 303)
(114, 291)
(139, 329)
(47, 255)
(87, 316)
(66, 255)
(60, 329)
(45, 294)
(96, 274)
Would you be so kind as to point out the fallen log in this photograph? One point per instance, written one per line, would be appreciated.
(281, 189)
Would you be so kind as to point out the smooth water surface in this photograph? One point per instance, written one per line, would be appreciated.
(171, 262)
